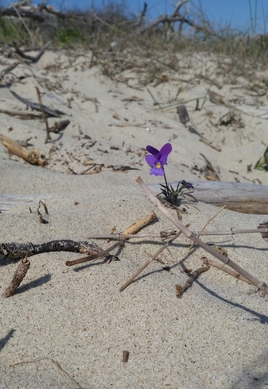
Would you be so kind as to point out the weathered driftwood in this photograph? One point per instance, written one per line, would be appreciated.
(29, 57)
(239, 197)
(35, 106)
(14, 251)
(31, 156)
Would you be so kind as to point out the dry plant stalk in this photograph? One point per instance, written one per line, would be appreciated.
(262, 287)
(19, 274)
(31, 156)
(55, 363)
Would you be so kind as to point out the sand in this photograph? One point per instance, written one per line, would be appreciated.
(72, 323)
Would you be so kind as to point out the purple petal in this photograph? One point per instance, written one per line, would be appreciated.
(157, 171)
(166, 149)
(152, 150)
(151, 160)
(164, 152)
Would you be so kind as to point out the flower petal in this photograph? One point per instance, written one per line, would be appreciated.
(151, 160)
(152, 150)
(164, 152)
(157, 171)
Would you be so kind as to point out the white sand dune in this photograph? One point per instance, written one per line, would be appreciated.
(215, 335)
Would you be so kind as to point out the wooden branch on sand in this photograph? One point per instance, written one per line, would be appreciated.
(239, 197)
(29, 57)
(32, 156)
(14, 251)
(262, 287)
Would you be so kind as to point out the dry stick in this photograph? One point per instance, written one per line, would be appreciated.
(262, 287)
(207, 223)
(99, 254)
(48, 138)
(17, 278)
(150, 260)
(23, 23)
(135, 227)
(139, 224)
(233, 273)
(180, 290)
(231, 232)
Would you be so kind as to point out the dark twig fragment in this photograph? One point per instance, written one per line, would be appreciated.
(125, 355)
(17, 278)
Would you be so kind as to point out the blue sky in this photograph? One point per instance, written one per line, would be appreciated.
(235, 13)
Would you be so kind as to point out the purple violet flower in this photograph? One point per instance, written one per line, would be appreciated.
(158, 158)
(187, 184)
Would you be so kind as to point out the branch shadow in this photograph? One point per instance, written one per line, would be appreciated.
(34, 284)
(255, 375)
(262, 319)
(5, 340)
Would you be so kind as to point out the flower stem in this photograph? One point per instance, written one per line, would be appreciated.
(165, 179)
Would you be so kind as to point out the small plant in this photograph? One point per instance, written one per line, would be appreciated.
(157, 160)
(262, 163)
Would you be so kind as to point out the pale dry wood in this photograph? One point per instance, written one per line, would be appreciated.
(31, 156)
(211, 262)
(239, 197)
(139, 224)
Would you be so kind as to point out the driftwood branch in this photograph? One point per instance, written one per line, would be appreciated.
(262, 287)
(29, 57)
(8, 69)
(31, 156)
(15, 251)
(35, 106)
(239, 197)
(38, 16)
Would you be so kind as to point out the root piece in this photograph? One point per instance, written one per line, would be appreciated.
(17, 278)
